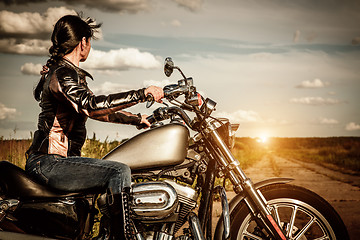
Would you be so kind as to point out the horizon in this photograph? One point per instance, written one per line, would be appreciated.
(279, 68)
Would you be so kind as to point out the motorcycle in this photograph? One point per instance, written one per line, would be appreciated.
(173, 187)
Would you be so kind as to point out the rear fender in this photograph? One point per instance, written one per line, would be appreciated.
(238, 198)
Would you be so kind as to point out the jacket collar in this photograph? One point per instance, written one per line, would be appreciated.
(81, 72)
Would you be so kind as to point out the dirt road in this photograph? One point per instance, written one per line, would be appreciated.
(340, 190)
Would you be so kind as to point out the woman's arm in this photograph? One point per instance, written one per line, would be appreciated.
(65, 87)
(119, 117)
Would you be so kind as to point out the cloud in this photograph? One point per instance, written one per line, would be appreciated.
(6, 112)
(172, 23)
(175, 23)
(31, 69)
(31, 24)
(131, 6)
(28, 33)
(328, 121)
(315, 101)
(158, 83)
(352, 126)
(108, 72)
(316, 83)
(121, 59)
(241, 116)
(250, 116)
(192, 5)
(34, 47)
(275, 121)
(110, 87)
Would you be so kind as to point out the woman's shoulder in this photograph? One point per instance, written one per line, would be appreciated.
(65, 67)
(64, 72)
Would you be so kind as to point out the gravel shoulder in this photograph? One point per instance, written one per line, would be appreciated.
(341, 190)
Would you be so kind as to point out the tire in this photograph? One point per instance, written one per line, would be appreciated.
(313, 217)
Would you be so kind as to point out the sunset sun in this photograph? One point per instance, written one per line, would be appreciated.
(262, 139)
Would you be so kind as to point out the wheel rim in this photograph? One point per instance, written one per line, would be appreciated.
(299, 220)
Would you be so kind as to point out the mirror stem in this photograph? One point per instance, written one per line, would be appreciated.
(181, 73)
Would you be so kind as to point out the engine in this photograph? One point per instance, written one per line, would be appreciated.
(154, 200)
(166, 200)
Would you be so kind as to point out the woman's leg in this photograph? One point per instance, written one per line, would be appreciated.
(79, 173)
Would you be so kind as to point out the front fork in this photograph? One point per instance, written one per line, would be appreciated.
(242, 183)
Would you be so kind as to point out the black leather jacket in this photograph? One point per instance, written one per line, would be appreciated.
(67, 102)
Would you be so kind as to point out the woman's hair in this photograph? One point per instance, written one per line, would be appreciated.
(68, 32)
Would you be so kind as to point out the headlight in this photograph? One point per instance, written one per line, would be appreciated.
(232, 131)
(226, 130)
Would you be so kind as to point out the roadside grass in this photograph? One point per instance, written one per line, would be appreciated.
(14, 151)
(94, 148)
(337, 153)
(248, 151)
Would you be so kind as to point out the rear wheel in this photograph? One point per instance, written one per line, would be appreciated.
(302, 214)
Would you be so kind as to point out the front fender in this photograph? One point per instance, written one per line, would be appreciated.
(238, 198)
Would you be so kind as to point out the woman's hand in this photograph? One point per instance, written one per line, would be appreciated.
(44, 70)
(157, 93)
(144, 120)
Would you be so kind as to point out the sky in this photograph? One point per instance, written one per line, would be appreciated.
(280, 68)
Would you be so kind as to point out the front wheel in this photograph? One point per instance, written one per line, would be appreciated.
(302, 214)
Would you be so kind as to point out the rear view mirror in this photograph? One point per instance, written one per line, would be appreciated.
(169, 66)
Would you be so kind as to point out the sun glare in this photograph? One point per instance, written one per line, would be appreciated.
(262, 139)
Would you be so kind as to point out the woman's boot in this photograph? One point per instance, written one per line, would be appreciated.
(120, 215)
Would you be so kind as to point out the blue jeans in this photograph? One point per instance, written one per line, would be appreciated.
(75, 174)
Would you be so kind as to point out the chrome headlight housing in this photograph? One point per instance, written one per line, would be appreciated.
(226, 130)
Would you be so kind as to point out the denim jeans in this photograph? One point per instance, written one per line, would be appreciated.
(78, 173)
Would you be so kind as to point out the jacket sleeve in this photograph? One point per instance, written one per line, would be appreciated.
(65, 87)
(120, 117)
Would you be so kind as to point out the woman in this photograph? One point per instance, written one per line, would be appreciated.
(66, 102)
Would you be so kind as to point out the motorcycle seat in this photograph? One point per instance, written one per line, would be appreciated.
(15, 183)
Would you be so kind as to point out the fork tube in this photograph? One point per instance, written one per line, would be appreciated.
(237, 176)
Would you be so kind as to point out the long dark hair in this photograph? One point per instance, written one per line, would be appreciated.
(68, 32)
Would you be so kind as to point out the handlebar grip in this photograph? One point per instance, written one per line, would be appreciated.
(151, 120)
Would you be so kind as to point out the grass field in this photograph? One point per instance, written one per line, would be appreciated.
(340, 153)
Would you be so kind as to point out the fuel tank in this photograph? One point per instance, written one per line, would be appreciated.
(162, 146)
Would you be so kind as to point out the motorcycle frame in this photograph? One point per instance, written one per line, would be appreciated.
(206, 201)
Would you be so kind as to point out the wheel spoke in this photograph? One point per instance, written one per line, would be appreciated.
(277, 216)
(323, 238)
(303, 231)
(290, 227)
(252, 236)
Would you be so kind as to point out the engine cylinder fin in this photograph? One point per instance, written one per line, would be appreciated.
(186, 206)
